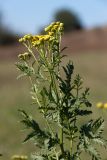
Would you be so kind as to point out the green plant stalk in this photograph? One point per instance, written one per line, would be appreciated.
(57, 103)
(60, 129)
(50, 128)
(71, 146)
(56, 154)
(48, 125)
(71, 143)
(53, 85)
(30, 50)
(61, 140)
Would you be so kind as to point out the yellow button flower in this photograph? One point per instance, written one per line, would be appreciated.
(100, 105)
(61, 25)
(17, 157)
(105, 105)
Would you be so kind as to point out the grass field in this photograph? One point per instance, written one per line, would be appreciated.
(14, 94)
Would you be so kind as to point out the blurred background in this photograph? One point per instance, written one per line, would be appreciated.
(85, 37)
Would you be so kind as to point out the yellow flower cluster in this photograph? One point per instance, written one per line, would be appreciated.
(26, 38)
(54, 27)
(37, 40)
(24, 56)
(41, 39)
(101, 105)
(17, 157)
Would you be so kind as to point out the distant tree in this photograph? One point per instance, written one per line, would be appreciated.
(70, 20)
(6, 36)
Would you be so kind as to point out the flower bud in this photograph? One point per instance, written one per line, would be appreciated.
(61, 25)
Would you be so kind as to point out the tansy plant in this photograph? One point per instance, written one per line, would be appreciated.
(61, 102)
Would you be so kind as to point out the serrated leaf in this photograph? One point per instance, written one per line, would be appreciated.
(29, 136)
(93, 152)
(31, 123)
(81, 112)
(27, 70)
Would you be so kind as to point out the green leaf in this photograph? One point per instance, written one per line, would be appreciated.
(23, 67)
(81, 112)
(90, 133)
(98, 127)
(30, 136)
(63, 49)
(36, 131)
(100, 141)
(51, 142)
(93, 152)
(65, 85)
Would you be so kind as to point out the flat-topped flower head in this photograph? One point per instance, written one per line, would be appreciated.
(55, 27)
(26, 38)
(99, 105)
(54, 31)
(40, 40)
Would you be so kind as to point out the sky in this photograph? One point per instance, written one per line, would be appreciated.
(28, 16)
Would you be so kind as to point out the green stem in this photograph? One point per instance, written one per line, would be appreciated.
(53, 85)
(71, 141)
(31, 80)
(33, 56)
(77, 92)
(56, 154)
(50, 128)
(71, 146)
(61, 140)
(30, 50)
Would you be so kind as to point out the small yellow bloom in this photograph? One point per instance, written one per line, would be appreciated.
(105, 105)
(100, 105)
(36, 43)
(41, 40)
(46, 37)
(35, 38)
(26, 38)
(21, 39)
(52, 24)
(17, 157)
(48, 28)
(55, 27)
(61, 25)
(58, 23)
(51, 33)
